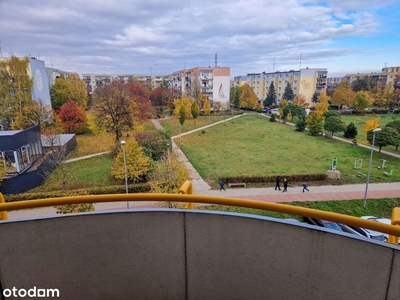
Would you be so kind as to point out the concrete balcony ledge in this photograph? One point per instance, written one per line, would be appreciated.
(181, 254)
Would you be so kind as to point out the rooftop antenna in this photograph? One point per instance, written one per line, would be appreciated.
(216, 63)
(300, 60)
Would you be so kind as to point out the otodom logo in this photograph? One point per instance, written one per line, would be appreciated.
(31, 293)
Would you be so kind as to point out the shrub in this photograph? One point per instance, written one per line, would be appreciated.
(154, 144)
(273, 118)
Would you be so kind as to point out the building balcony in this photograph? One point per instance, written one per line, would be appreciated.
(185, 254)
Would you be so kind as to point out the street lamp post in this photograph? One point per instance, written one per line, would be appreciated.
(370, 162)
(168, 144)
(180, 135)
(126, 176)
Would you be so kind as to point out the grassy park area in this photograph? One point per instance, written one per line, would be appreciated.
(251, 145)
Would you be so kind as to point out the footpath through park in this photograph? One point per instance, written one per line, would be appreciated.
(200, 187)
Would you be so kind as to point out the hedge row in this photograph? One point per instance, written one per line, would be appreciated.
(272, 178)
(116, 189)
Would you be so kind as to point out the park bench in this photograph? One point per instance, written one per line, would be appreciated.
(242, 184)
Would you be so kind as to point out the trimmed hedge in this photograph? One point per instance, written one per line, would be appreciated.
(116, 189)
(271, 178)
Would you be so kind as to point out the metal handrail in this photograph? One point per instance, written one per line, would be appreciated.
(393, 230)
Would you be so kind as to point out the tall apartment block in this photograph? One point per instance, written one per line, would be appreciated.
(304, 81)
(95, 80)
(213, 83)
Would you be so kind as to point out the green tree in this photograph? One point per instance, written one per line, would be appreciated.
(271, 95)
(183, 106)
(113, 108)
(334, 124)
(301, 123)
(315, 123)
(314, 98)
(294, 110)
(137, 164)
(288, 93)
(351, 131)
(206, 107)
(364, 83)
(182, 115)
(331, 113)
(396, 138)
(361, 101)
(71, 88)
(247, 96)
(195, 110)
(383, 138)
(235, 96)
(154, 143)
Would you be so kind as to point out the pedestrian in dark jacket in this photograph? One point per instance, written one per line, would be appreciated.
(305, 187)
(278, 183)
(285, 183)
(221, 185)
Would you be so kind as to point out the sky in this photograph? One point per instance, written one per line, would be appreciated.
(160, 37)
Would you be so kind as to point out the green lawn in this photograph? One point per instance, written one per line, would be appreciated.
(172, 124)
(253, 145)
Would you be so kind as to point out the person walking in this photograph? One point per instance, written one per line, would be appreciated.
(305, 187)
(221, 185)
(278, 183)
(285, 183)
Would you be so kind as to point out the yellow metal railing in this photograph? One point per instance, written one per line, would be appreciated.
(186, 196)
(3, 214)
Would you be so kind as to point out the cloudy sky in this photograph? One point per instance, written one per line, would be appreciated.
(159, 37)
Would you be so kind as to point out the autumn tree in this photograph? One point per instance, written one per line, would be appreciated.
(314, 98)
(73, 118)
(15, 90)
(137, 164)
(334, 124)
(300, 99)
(361, 101)
(388, 95)
(183, 106)
(281, 107)
(371, 124)
(32, 113)
(168, 177)
(343, 94)
(315, 123)
(139, 97)
(288, 93)
(71, 88)
(113, 108)
(156, 98)
(364, 83)
(207, 107)
(271, 95)
(247, 96)
(323, 104)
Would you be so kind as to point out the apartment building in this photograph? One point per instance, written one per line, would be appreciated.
(53, 74)
(213, 83)
(304, 81)
(388, 75)
(95, 80)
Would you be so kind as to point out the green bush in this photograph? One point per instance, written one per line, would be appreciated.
(273, 118)
(271, 178)
(116, 189)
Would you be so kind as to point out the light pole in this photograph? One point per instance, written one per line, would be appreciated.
(126, 176)
(180, 135)
(370, 161)
(168, 144)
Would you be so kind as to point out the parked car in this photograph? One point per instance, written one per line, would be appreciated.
(322, 223)
(380, 220)
(274, 111)
(371, 234)
(266, 110)
(393, 110)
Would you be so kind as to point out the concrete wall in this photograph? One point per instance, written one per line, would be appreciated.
(192, 255)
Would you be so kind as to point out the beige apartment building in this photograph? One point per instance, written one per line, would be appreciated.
(213, 83)
(304, 81)
(388, 75)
